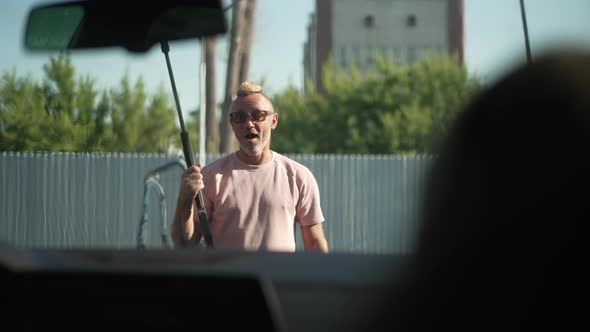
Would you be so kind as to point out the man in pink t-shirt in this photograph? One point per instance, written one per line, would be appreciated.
(253, 197)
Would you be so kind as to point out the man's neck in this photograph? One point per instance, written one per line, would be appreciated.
(258, 159)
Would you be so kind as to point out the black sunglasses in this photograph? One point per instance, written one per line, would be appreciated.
(241, 117)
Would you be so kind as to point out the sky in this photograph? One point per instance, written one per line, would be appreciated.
(494, 43)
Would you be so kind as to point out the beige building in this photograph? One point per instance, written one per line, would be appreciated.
(354, 31)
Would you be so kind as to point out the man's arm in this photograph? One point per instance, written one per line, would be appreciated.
(185, 226)
(314, 239)
(186, 229)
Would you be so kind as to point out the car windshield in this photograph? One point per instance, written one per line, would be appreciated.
(90, 149)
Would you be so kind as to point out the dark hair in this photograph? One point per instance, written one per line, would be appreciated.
(504, 224)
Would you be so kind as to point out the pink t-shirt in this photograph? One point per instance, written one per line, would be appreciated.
(255, 207)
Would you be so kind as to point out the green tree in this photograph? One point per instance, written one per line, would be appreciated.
(66, 104)
(22, 114)
(63, 114)
(158, 129)
(295, 130)
(390, 109)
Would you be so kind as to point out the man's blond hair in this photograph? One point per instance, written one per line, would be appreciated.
(248, 88)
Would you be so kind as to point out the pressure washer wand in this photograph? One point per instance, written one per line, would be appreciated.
(188, 155)
(525, 28)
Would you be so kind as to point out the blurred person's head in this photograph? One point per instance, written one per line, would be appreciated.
(504, 223)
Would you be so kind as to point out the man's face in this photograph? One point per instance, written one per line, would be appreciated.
(253, 136)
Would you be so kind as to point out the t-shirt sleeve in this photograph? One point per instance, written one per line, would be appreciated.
(308, 209)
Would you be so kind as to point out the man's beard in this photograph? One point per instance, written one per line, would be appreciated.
(254, 150)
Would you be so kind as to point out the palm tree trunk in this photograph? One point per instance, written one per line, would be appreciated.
(231, 82)
(211, 96)
(249, 16)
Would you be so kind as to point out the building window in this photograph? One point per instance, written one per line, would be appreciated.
(369, 21)
(411, 54)
(370, 56)
(343, 56)
(356, 58)
(411, 21)
(362, 57)
(426, 52)
(385, 53)
(398, 55)
(373, 54)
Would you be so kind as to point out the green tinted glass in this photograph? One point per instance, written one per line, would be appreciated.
(53, 27)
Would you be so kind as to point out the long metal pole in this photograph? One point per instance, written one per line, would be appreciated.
(202, 108)
(526, 33)
(188, 155)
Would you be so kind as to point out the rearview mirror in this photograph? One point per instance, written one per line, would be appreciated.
(133, 25)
